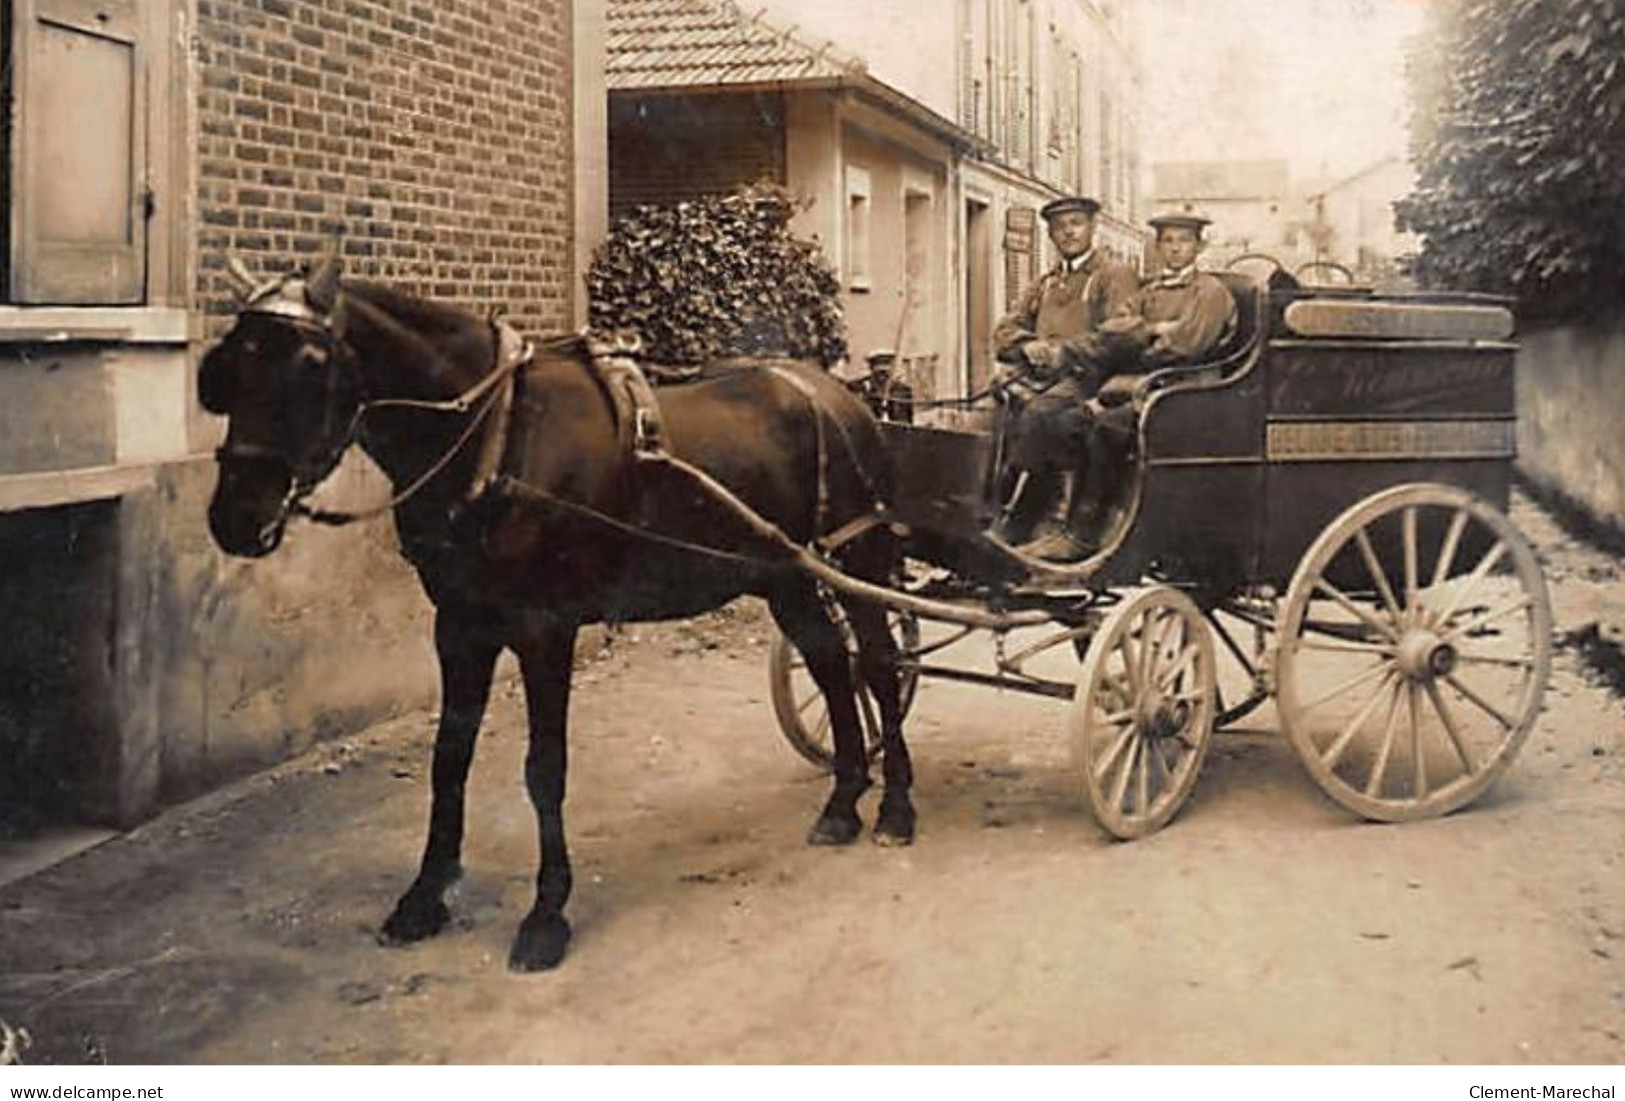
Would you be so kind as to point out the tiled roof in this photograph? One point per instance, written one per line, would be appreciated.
(685, 43)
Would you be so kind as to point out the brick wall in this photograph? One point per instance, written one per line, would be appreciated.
(666, 148)
(434, 134)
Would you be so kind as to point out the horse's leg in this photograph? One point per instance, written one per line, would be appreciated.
(545, 660)
(466, 664)
(877, 664)
(802, 617)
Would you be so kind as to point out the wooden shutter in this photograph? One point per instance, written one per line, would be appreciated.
(78, 200)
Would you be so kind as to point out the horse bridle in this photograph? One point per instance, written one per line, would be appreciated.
(285, 300)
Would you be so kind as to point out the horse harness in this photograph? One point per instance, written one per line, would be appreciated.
(636, 409)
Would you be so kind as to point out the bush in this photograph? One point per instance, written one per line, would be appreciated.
(715, 277)
(1518, 133)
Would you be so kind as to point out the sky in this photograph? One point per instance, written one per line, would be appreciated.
(1319, 83)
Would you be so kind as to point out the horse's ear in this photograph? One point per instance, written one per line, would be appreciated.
(246, 285)
(322, 288)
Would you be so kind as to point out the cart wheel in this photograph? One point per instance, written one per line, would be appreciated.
(1415, 641)
(1143, 712)
(799, 705)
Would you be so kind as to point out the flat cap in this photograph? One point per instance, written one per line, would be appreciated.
(1180, 219)
(1078, 203)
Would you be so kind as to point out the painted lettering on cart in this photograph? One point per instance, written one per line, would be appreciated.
(1391, 384)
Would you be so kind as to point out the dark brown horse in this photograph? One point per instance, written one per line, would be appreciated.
(526, 516)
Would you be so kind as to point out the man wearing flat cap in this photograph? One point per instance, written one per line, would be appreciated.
(1186, 311)
(1053, 340)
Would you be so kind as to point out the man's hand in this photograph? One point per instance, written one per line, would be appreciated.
(1043, 356)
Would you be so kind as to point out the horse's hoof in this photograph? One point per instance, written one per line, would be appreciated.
(891, 837)
(832, 830)
(894, 827)
(414, 920)
(540, 943)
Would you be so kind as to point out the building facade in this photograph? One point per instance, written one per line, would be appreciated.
(455, 149)
(1054, 88)
(927, 136)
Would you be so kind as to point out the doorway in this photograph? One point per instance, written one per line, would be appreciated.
(978, 295)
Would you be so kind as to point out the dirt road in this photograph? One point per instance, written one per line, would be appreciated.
(1264, 925)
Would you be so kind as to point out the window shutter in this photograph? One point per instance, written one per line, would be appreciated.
(78, 199)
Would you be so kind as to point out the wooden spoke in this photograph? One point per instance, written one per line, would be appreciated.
(1419, 760)
(1349, 685)
(815, 696)
(1447, 553)
(1126, 773)
(1378, 574)
(1390, 728)
(1105, 763)
(1408, 526)
(1342, 646)
(1491, 558)
(1387, 629)
(1144, 789)
(1464, 658)
(1521, 603)
(1334, 752)
(1479, 702)
(1448, 719)
(1159, 757)
(1187, 660)
(1131, 665)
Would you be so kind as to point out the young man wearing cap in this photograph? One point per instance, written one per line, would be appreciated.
(1186, 311)
(1053, 336)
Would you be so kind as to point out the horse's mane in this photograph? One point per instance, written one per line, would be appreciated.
(423, 316)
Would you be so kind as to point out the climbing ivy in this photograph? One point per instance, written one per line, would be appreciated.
(714, 277)
(1518, 132)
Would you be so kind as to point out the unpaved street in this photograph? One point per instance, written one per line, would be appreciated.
(1264, 925)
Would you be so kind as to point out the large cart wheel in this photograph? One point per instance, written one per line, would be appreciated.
(1414, 646)
(799, 705)
(1143, 712)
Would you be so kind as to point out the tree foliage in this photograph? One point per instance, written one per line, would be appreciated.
(1518, 132)
(715, 277)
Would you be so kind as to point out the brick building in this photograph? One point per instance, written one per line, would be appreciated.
(455, 148)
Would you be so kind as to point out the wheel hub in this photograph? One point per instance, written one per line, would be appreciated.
(1160, 717)
(1424, 656)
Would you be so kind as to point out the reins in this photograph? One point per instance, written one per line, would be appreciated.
(511, 352)
(460, 404)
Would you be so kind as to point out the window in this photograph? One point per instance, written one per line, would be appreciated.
(75, 148)
(858, 216)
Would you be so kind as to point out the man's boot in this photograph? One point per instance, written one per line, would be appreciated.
(1056, 541)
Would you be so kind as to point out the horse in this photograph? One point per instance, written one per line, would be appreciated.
(527, 514)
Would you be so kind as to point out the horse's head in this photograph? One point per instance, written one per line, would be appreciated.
(289, 385)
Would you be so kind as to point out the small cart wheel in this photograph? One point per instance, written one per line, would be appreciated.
(799, 705)
(1414, 646)
(1143, 712)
